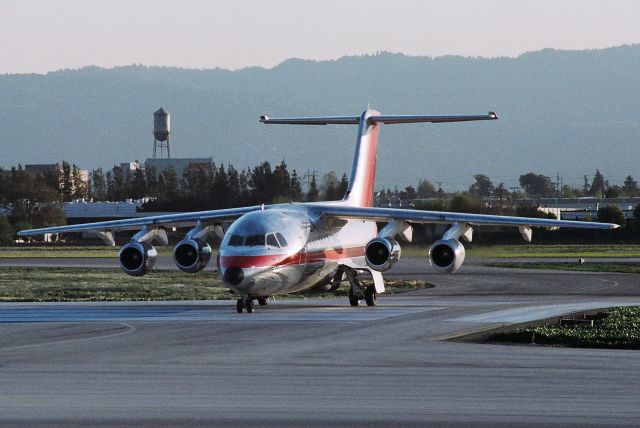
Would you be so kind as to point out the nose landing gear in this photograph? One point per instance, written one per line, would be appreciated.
(357, 292)
(244, 303)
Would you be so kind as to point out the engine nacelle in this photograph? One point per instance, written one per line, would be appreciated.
(137, 258)
(382, 253)
(192, 255)
(446, 256)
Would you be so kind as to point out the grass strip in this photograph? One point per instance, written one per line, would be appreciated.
(614, 328)
(571, 266)
(35, 284)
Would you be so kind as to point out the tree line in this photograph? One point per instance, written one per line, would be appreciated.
(34, 199)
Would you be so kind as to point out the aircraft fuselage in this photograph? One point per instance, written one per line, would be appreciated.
(288, 249)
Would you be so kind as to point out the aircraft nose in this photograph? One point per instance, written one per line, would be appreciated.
(233, 275)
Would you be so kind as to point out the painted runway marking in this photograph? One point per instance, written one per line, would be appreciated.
(533, 313)
(129, 329)
(152, 313)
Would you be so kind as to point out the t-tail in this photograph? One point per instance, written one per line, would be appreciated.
(363, 172)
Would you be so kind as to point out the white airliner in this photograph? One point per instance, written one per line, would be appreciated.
(284, 248)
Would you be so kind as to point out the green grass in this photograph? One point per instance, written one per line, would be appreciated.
(542, 251)
(614, 328)
(26, 284)
(586, 267)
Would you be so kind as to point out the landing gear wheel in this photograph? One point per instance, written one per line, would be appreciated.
(370, 295)
(353, 300)
(248, 303)
(240, 306)
(263, 301)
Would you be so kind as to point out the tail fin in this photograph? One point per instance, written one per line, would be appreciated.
(363, 172)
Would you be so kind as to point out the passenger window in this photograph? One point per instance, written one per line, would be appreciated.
(255, 240)
(272, 241)
(236, 240)
(283, 242)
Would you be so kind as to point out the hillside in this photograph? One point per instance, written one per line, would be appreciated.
(566, 111)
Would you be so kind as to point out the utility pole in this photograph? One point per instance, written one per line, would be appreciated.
(513, 198)
(308, 177)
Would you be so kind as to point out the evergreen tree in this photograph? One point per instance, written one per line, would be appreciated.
(630, 187)
(295, 190)
(151, 177)
(260, 182)
(329, 186)
(116, 184)
(598, 185)
(234, 191)
(98, 189)
(281, 183)
(313, 194)
(6, 230)
(67, 182)
(343, 186)
(138, 185)
(170, 180)
(3, 195)
(220, 188)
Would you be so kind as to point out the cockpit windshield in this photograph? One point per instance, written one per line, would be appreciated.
(254, 241)
(258, 240)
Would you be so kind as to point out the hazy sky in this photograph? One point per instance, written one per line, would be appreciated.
(44, 35)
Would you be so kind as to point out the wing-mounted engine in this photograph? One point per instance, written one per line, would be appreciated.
(138, 257)
(193, 253)
(382, 253)
(447, 254)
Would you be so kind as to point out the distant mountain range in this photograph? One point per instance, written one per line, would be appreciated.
(565, 111)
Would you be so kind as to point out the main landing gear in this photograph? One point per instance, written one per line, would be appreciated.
(357, 292)
(247, 303)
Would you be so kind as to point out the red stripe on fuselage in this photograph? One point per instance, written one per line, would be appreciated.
(276, 260)
(370, 173)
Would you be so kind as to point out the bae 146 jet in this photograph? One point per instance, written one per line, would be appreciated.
(285, 248)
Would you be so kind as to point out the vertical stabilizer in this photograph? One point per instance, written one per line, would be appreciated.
(363, 171)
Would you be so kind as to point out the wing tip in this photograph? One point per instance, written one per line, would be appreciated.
(493, 115)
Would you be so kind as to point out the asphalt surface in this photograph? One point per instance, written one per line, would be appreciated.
(321, 362)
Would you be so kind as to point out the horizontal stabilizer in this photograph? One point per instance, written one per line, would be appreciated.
(387, 119)
(330, 120)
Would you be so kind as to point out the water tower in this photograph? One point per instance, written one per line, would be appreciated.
(161, 131)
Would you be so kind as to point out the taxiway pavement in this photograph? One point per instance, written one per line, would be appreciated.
(320, 362)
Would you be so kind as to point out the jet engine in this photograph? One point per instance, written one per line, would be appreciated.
(192, 255)
(382, 253)
(137, 258)
(446, 256)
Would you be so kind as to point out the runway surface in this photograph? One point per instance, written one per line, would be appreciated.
(320, 362)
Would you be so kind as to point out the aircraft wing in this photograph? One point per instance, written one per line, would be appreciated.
(168, 220)
(418, 216)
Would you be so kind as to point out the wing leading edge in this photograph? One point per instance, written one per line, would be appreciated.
(418, 216)
(168, 220)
